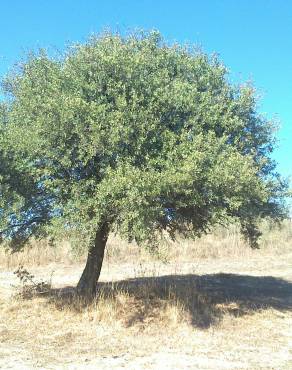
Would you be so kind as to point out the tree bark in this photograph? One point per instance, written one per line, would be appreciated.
(88, 282)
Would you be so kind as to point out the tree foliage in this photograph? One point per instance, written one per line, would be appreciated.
(135, 133)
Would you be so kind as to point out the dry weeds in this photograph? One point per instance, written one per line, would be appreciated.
(229, 309)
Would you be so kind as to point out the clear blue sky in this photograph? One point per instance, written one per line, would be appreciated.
(253, 38)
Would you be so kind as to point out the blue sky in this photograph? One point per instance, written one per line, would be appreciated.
(253, 39)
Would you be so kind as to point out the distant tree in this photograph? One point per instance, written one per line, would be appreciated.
(132, 135)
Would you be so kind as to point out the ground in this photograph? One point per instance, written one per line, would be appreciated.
(229, 312)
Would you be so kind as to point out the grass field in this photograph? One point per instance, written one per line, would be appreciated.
(206, 304)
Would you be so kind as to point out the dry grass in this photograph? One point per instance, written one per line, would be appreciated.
(231, 308)
(210, 320)
(222, 243)
(39, 253)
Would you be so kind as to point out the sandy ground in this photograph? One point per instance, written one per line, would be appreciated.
(254, 331)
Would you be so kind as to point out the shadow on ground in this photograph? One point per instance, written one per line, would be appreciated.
(205, 298)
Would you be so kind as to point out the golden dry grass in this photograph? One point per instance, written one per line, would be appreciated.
(222, 243)
(229, 308)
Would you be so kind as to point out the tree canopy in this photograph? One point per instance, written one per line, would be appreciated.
(136, 134)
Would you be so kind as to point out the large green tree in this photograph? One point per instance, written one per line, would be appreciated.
(132, 135)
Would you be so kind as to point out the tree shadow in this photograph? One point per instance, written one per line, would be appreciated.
(206, 298)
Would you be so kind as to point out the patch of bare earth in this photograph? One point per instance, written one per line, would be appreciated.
(225, 313)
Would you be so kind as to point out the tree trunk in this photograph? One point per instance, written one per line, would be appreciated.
(88, 281)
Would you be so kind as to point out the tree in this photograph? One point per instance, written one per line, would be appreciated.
(132, 135)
